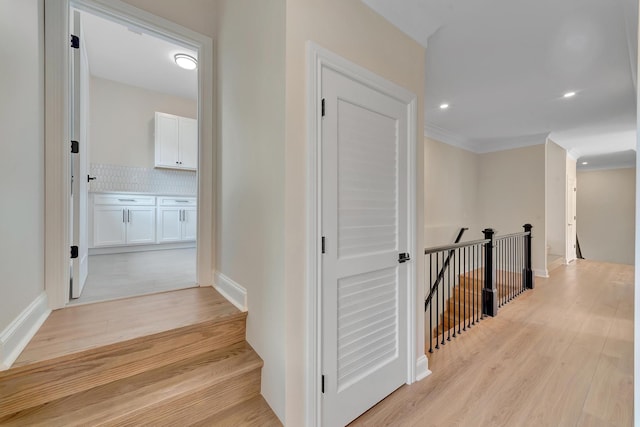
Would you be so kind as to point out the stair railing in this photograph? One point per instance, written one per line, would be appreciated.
(442, 270)
(472, 280)
(456, 302)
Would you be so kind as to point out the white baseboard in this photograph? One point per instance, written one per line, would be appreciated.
(422, 368)
(236, 294)
(17, 335)
(140, 248)
(541, 273)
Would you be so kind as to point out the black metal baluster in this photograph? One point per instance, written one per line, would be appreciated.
(508, 249)
(475, 290)
(437, 308)
(448, 302)
(444, 310)
(473, 287)
(454, 294)
(513, 268)
(430, 305)
(500, 282)
(466, 286)
(458, 296)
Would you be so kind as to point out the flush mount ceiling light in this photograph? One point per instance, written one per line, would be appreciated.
(185, 61)
(569, 95)
(444, 106)
(585, 163)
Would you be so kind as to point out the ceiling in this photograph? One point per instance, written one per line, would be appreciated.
(503, 67)
(128, 56)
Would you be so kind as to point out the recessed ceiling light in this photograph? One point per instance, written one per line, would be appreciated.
(444, 106)
(185, 61)
(569, 95)
(585, 163)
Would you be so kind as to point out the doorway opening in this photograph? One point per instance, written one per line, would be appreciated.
(134, 167)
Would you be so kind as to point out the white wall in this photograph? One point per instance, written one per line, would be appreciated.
(512, 193)
(21, 156)
(451, 193)
(353, 31)
(556, 167)
(122, 121)
(606, 214)
(250, 244)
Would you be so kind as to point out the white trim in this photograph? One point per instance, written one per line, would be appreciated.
(141, 248)
(422, 368)
(482, 146)
(317, 58)
(57, 103)
(541, 272)
(445, 136)
(235, 293)
(17, 335)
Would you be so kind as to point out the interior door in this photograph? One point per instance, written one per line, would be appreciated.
(80, 169)
(571, 219)
(364, 228)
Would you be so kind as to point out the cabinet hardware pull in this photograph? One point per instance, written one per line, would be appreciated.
(126, 200)
(128, 215)
(123, 216)
(181, 201)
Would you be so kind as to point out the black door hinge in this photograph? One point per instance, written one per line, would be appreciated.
(74, 252)
(75, 42)
(322, 244)
(403, 257)
(322, 107)
(75, 147)
(322, 384)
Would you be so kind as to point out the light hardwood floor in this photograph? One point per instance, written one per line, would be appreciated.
(560, 355)
(84, 327)
(138, 273)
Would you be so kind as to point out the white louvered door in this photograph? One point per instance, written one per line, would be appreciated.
(364, 223)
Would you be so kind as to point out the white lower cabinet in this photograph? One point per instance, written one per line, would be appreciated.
(141, 225)
(176, 219)
(123, 220)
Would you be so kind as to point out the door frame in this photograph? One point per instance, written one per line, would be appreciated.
(319, 58)
(57, 134)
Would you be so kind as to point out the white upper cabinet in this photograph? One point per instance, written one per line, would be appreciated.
(176, 141)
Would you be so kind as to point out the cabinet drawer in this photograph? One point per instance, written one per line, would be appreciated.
(124, 200)
(177, 201)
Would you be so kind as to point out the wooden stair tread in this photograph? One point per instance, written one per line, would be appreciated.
(114, 403)
(253, 412)
(79, 328)
(32, 385)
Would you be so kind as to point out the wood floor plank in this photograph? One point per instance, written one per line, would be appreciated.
(156, 397)
(49, 380)
(253, 412)
(84, 327)
(559, 355)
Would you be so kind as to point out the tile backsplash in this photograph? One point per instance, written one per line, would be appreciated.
(142, 180)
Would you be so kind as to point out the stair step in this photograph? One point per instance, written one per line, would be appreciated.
(253, 412)
(64, 375)
(181, 393)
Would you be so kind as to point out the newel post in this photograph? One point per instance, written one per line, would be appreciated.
(528, 271)
(489, 291)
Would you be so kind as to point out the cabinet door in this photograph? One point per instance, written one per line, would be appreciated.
(169, 225)
(167, 140)
(189, 224)
(141, 224)
(109, 225)
(188, 143)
